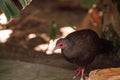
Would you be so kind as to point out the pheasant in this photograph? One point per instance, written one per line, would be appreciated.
(81, 47)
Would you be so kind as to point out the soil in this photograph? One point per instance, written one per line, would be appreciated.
(37, 18)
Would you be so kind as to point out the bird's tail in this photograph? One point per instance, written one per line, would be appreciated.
(106, 46)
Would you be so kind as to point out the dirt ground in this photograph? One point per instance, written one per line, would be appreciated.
(37, 18)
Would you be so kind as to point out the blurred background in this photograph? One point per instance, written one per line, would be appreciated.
(29, 38)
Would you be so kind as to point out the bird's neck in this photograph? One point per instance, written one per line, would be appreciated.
(68, 51)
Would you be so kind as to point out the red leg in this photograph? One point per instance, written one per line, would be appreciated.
(79, 71)
(82, 74)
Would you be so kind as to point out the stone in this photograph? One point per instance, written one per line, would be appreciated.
(16, 70)
(105, 74)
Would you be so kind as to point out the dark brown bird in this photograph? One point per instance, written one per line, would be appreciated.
(81, 47)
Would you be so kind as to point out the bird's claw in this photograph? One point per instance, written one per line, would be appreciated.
(81, 79)
(74, 77)
(79, 71)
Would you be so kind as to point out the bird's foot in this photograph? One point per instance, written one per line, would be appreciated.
(79, 71)
(81, 79)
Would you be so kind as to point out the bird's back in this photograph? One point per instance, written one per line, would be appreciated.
(84, 47)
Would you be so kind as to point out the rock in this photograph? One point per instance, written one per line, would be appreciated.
(16, 70)
(105, 74)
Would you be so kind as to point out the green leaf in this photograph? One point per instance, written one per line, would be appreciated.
(28, 1)
(5, 9)
(53, 30)
(24, 3)
(12, 8)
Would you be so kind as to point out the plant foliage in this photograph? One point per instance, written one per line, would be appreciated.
(53, 30)
(10, 9)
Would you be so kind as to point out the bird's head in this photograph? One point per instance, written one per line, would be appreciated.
(61, 43)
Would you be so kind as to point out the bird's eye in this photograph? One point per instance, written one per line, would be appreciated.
(61, 45)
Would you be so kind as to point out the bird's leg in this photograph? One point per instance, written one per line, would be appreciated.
(79, 71)
(82, 74)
